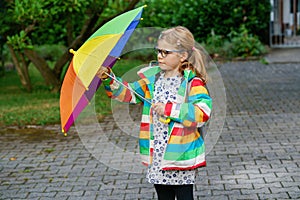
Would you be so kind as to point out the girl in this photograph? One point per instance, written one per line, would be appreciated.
(175, 89)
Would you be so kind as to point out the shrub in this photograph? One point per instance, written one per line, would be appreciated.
(244, 44)
(238, 44)
(202, 16)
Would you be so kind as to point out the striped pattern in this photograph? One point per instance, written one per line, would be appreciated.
(185, 149)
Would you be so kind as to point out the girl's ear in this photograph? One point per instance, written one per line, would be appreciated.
(183, 56)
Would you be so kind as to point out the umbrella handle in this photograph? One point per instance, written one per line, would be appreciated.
(164, 120)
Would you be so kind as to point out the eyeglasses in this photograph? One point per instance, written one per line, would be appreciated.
(165, 52)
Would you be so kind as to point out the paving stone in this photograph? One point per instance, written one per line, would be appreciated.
(294, 194)
(283, 195)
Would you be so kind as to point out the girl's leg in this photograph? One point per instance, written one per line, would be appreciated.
(184, 192)
(165, 192)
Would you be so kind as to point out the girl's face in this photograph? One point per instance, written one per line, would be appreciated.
(169, 59)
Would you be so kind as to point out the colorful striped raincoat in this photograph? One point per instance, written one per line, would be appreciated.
(185, 149)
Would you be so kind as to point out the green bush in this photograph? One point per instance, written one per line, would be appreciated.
(238, 44)
(214, 44)
(202, 16)
(244, 44)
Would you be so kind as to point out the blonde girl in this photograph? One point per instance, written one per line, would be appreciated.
(172, 149)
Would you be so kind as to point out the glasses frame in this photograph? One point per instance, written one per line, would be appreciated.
(165, 52)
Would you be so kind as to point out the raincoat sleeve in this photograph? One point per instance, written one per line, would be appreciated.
(197, 108)
(116, 90)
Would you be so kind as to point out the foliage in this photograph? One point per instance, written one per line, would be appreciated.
(244, 44)
(48, 17)
(214, 44)
(26, 11)
(20, 41)
(63, 18)
(202, 16)
(28, 23)
(53, 20)
(238, 44)
(51, 26)
(4, 19)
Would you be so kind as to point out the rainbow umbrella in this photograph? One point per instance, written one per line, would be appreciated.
(103, 48)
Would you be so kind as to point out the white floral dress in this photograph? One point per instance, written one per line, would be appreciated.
(165, 90)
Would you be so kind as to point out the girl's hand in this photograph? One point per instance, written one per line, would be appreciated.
(159, 108)
(102, 72)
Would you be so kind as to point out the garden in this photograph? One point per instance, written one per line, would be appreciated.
(36, 37)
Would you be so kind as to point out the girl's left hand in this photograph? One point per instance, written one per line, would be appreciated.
(159, 108)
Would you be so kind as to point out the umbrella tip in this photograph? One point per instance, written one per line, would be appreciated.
(65, 134)
(72, 51)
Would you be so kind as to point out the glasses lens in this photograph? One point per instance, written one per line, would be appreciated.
(162, 52)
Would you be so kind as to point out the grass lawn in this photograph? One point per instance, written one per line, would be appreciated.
(41, 107)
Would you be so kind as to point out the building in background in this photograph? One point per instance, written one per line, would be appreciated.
(285, 23)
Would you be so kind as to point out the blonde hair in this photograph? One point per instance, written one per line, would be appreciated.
(182, 39)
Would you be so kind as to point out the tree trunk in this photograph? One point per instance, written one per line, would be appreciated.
(44, 69)
(70, 30)
(22, 68)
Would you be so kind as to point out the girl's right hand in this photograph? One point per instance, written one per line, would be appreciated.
(102, 73)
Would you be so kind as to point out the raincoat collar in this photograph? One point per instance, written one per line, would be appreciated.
(149, 73)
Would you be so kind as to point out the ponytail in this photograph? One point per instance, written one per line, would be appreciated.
(198, 61)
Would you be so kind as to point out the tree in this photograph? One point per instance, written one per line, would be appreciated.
(203, 16)
(27, 23)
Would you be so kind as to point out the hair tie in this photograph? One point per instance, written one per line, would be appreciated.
(193, 48)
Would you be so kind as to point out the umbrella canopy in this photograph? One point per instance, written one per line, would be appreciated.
(103, 48)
